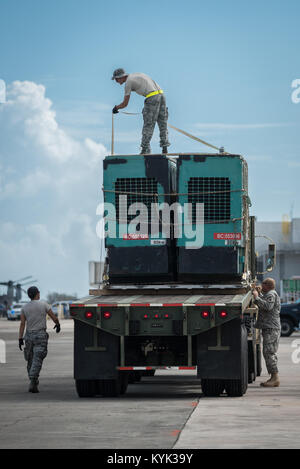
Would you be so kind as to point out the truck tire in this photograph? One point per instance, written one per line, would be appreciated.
(111, 387)
(86, 388)
(238, 387)
(252, 357)
(258, 360)
(235, 387)
(287, 327)
(124, 383)
(212, 387)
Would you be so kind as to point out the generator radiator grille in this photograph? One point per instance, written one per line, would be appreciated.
(136, 190)
(214, 193)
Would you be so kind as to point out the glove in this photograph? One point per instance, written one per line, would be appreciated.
(115, 110)
(21, 343)
(57, 327)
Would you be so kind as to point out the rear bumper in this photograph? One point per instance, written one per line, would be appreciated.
(149, 368)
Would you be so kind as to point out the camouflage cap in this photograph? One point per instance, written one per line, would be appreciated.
(119, 73)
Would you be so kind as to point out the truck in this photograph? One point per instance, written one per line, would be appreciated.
(176, 291)
(290, 318)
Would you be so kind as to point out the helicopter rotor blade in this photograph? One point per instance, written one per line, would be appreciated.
(21, 279)
(31, 281)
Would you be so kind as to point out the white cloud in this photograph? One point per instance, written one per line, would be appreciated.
(130, 136)
(294, 164)
(49, 189)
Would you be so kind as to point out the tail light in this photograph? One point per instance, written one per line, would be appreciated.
(146, 316)
(107, 315)
(205, 314)
(223, 314)
(89, 315)
(166, 316)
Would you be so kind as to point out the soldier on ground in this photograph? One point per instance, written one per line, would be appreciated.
(268, 302)
(155, 108)
(34, 315)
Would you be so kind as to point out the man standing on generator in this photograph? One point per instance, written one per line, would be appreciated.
(155, 109)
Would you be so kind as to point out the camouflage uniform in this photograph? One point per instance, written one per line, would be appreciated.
(155, 110)
(270, 346)
(269, 322)
(36, 343)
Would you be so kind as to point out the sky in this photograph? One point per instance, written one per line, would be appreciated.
(226, 67)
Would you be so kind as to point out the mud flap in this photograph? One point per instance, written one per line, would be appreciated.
(96, 353)
(222, 352)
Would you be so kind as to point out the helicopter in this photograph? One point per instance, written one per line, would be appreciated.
(14, 290)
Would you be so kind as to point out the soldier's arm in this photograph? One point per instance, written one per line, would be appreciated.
(22, 326)
(52, 316)
(266, 303)
(124, 103)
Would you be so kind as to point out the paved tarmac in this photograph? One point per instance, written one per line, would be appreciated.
(264, 418)
(161, 412)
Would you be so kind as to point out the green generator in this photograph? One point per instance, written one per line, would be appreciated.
(220, 183)
(139, 252)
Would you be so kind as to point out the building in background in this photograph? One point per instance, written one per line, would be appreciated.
(286, 236)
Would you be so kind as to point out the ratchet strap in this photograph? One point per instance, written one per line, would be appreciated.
(193, 137)
(112, 135)
(220, 150)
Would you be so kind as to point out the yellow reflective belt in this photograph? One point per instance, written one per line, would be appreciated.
(154, 93)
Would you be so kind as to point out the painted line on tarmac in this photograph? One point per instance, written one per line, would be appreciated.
(175, 432)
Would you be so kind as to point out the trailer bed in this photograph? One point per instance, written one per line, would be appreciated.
(236, 300)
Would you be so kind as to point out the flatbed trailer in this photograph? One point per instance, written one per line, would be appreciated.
(125, 332)
(176, 289)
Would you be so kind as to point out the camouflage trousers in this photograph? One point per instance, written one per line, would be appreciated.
(155, 111)
(270, 346)
(36, 348)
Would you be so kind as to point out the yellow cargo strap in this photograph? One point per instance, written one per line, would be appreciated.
(194, 138)
(112, 135)
(220, 150)
(153, 93)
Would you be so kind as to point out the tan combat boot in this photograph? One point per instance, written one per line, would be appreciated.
(273, 382)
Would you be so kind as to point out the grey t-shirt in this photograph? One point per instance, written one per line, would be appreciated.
(35, 313)
(140, 83)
